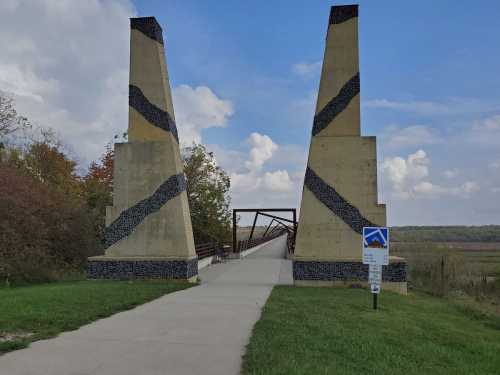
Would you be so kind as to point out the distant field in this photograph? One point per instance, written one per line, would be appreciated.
(244, 232)
(483, 233)
(481, 254)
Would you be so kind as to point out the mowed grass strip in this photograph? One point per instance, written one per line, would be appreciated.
(40, 311)
(335, 331)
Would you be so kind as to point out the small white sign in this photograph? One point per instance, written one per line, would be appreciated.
(376, 245)
(375, 288)
(375, 274)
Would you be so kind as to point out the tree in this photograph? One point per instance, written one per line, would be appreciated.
(10, 120)
(43, 234)
(208, 194)
(207, 189)
(46, 229)
(98, 188)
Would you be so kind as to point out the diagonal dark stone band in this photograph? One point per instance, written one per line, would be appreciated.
(155, 115)
(335, 202)
(133, 216)
(336, 105)
(342, 13)
(149, 27)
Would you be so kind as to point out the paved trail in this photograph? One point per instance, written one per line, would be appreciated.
(202, 330)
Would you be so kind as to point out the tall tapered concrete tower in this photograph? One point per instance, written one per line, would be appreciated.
(148, 229)
(340, 188)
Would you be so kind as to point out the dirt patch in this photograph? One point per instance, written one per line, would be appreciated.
(11, 336)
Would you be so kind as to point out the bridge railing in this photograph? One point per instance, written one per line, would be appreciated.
(209, 249)
(248, 244)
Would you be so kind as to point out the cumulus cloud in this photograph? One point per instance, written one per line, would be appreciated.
(306, 69)
(402, 172)
(410, 178)
(277, 181)
(256, 182)
(68, 67)
(197, 109)
(68, 70)
(262, 150)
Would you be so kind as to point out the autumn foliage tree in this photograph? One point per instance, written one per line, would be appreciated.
(46, 229)
(98, 189)
(208, 194)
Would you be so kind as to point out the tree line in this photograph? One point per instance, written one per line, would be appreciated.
(53, 209)
(457, 233)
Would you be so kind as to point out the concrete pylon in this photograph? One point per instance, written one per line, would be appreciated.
(339, 197)
(148, 229)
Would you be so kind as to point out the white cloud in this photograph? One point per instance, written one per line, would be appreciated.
(467, 188)
(402, 172)
(451, 173)
(262, 150)
(277, 181)
(427, 188)
(451, 106)
(306, 69)
(68, 70)
(409, 178)
(414, 135)
(489, 124)
(264, 178)
(197, 109)
(494, 164)
(66, 65)
(423, 107)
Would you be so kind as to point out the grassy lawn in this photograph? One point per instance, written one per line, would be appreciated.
(42, 311)
(335, 331)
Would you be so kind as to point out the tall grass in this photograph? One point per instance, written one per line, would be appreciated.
(440, 271)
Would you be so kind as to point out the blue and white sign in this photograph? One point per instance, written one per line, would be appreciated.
(376, 245)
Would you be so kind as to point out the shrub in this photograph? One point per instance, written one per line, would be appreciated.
(43, 234)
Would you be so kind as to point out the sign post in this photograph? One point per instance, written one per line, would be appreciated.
(375, 254)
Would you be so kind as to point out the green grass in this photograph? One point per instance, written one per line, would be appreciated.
(48, 309)
(335, 331)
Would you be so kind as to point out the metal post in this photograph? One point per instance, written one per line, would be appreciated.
(253, 226)
(294, 221)
(234, 231)
(267, 229)
(375, 298)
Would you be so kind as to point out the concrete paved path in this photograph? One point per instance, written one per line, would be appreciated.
(202, 330)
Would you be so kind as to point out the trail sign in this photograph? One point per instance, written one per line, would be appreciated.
(375, 245)
(375, 274)
(375, 289)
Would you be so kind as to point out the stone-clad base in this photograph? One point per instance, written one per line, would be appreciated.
(337, 273)
(142, 268)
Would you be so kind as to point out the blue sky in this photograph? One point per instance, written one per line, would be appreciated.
(245, 77)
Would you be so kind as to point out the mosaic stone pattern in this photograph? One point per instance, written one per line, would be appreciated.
(335, 202)
(342, 13)
(133, 216)
(336, 105)
(148, 26)
(142, 269)
(345, 271)
(154, 115)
